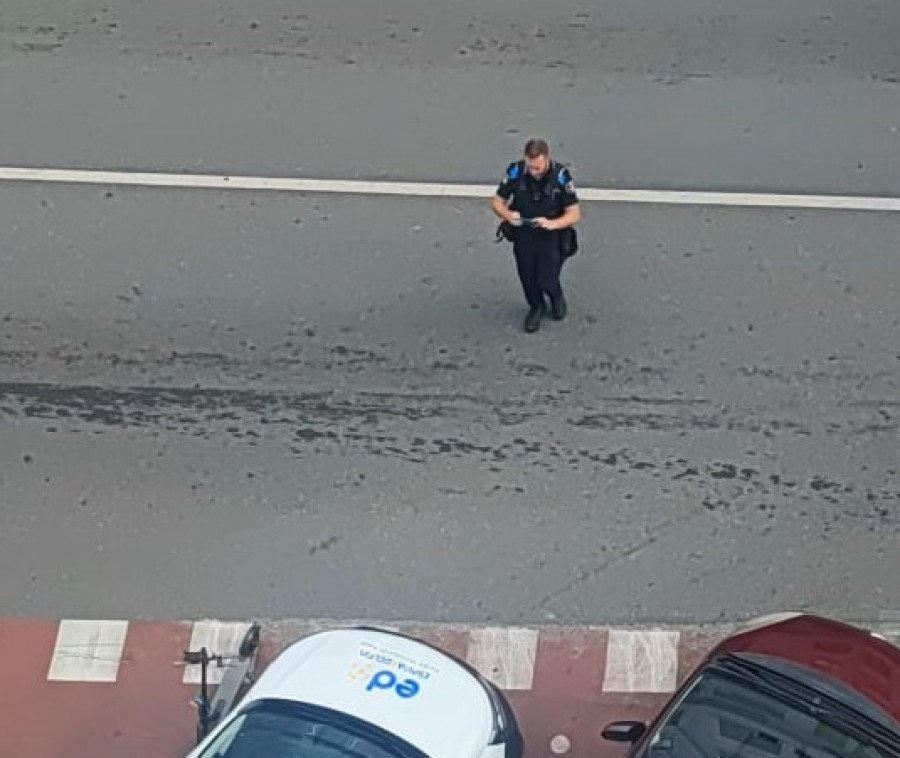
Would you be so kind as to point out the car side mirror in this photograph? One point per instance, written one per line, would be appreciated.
(624, 731)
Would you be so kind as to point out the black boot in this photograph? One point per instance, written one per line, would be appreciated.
(533, 319)
(558, 307)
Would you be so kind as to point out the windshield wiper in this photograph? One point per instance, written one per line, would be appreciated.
(797, 694)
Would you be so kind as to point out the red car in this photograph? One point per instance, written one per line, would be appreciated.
(793, 686)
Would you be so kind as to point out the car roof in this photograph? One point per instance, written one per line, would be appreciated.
(400, 684)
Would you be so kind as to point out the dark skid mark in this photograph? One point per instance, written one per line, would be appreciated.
(142, 406)
(664, 401)
(411, 427)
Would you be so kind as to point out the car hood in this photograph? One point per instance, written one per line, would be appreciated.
(399, 684)
(852, 656)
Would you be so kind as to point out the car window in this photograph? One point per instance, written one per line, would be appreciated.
(282, 729)
(722, 715)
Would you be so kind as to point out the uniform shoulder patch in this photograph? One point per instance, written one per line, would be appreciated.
(565, 180)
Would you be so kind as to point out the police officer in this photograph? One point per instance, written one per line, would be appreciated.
(541, 189)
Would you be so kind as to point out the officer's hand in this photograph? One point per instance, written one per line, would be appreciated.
(543, 223)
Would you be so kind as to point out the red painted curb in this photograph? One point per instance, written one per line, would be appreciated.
(563, 681)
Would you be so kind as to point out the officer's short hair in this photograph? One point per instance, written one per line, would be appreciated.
(536, 147)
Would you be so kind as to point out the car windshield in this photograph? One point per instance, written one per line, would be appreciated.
(724, 715)
(283, 729)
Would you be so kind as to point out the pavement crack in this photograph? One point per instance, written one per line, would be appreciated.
(588, 574)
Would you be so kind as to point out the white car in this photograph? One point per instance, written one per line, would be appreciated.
(366, 693)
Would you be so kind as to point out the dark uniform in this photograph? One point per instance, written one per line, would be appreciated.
(537, 251)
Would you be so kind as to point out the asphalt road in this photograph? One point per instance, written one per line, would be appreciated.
(699, 94)
(242, 404)
(282, 405)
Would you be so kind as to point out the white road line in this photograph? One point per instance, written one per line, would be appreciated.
(506, 656)
(219, 638)
(87, 651)
(641, 661)
(425, 189)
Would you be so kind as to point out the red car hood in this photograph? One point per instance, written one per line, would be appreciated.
(852, 656)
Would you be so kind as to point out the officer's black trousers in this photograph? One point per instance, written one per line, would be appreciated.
(539, 264)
